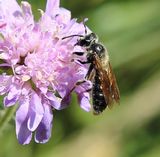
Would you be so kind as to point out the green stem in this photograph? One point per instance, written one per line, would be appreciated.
(9, 112)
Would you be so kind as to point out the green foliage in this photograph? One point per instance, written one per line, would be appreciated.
(130, 31)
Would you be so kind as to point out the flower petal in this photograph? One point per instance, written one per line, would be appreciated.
(83, 95)
(65, 101)
(9, 102)
(52, 6)
(64, 16)
(54, 101)
(24, 136)
(26, 8)
(36, 112)
(14, 92)
(4, 83)
(83, 99)
(27, 11)
(10, 11)
(43, 132)
(9, 5)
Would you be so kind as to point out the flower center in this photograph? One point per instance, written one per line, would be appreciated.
(22, 59)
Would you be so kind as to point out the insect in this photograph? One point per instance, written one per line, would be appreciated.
(105, 90)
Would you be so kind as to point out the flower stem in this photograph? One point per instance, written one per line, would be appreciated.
(7, 116)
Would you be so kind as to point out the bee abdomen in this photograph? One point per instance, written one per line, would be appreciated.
(99, 102)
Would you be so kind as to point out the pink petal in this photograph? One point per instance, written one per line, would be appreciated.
(47, 24)
(64, 16)
(36, 112)
(83, 99)
(24, 136)
(52, 7)
(4, 83)
(55, 102)
(9, 6)
(26, 8)
(9, 102)
(14, 92)
(43, 132)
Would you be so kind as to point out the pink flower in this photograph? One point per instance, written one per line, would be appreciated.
(38, 71)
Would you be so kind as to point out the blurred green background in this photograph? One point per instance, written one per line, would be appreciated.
(130, 29)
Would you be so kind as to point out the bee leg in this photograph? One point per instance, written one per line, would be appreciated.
(89, 71)
(88, 77)
(78, 84)
(78, 53)
(83, 62)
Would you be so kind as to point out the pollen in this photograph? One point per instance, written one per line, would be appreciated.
(25, 78)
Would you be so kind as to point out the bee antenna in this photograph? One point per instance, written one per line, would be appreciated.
(75, 35)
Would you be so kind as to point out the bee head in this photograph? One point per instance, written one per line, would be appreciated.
(87, 40)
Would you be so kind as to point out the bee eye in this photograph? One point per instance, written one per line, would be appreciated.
(99, 48)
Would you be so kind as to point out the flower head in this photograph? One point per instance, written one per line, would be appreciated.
(37, 71)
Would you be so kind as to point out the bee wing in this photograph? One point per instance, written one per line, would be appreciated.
(108, 81)
(113, 83)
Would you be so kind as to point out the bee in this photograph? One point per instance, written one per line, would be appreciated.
(105, 89)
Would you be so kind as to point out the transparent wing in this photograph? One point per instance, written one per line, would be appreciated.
(108, 81)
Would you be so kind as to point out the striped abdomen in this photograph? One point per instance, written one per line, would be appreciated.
(99, 102)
